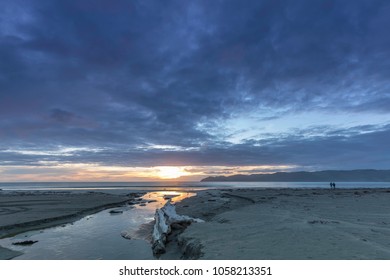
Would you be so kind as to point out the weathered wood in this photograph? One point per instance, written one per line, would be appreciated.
(164, 218)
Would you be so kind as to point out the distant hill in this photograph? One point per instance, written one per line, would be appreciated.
(361, 175)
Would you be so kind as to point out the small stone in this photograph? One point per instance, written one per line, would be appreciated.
(25, 243)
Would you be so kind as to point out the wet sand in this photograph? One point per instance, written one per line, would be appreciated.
(24, 211)
(239, 223)
(287, 224)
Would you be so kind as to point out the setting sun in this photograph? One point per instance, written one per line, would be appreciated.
(171, 172)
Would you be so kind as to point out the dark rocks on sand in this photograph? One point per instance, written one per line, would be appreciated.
(323, 222)
(116, 212)
(25, 243)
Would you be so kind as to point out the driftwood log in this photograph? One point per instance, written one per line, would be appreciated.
(165, 218)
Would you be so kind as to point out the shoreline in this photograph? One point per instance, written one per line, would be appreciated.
(242, 223)
(23, 211)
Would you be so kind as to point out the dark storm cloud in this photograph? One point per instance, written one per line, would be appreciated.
(117, 75)
(63, 116)
(339, 150)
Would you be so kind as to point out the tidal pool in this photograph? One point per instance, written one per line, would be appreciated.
(96, 236)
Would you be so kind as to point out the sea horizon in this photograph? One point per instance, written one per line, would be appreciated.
(173, 185)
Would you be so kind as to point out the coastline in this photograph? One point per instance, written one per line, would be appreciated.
(239, 223)
(22, 211)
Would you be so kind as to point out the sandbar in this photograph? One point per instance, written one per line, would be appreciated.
(287, 224)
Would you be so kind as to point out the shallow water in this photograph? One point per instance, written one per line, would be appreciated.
(96, 236)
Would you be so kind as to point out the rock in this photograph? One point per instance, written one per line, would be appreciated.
(25, 243)
(170, 196)
(116, 212)
(322, 222)
(126, 235)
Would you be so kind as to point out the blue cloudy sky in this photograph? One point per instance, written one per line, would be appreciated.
(142, 90)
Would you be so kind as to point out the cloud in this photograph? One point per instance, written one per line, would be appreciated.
(60, 115)
(115, 77)
(339, 149)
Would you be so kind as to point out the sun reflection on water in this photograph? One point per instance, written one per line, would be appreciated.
(154, 200)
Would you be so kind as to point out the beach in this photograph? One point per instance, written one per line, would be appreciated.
(22, 211)
(238, 223)
(288, 224)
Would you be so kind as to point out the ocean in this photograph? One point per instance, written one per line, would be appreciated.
(169, 185)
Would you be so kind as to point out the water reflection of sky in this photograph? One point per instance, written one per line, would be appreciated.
(162, 197)
(97, 236)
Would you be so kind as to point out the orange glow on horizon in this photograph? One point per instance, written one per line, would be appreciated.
(82, 172)
(171, 172)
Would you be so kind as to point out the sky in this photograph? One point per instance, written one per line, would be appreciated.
(128, 90)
